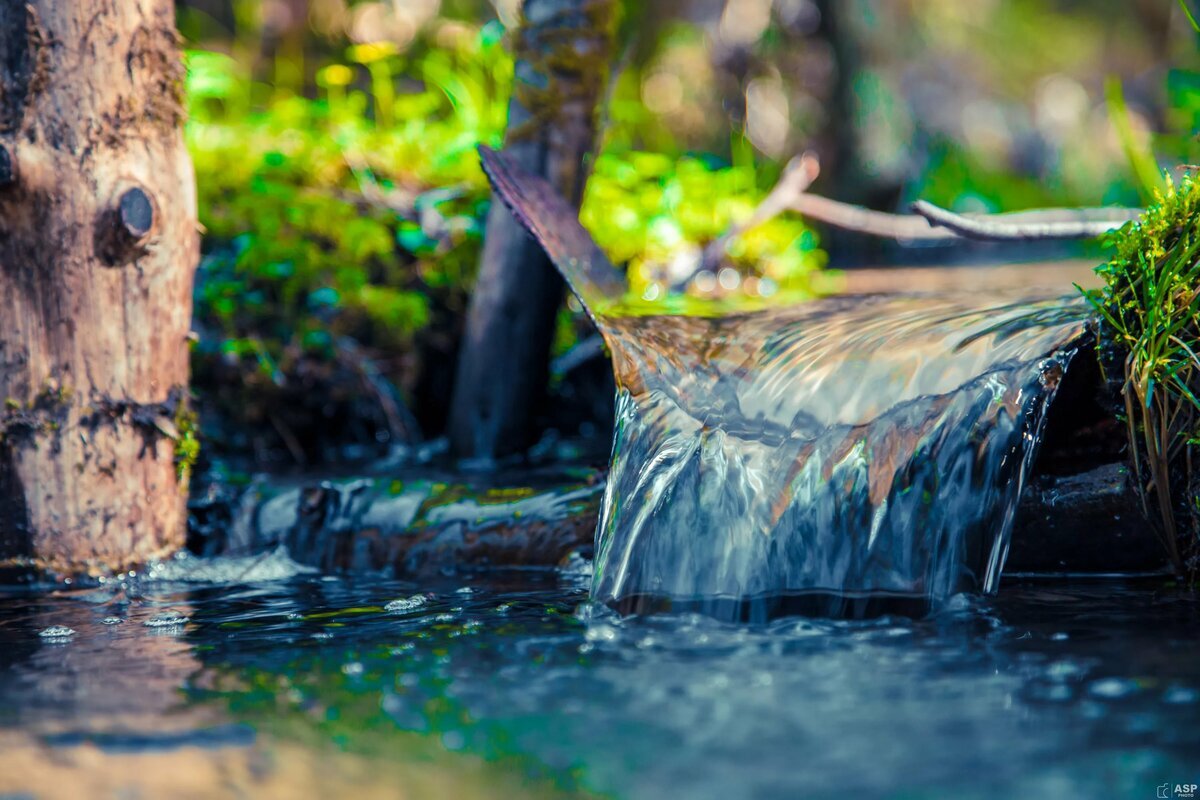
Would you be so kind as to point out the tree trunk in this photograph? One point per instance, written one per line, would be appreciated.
(563, 51)
(98, 247)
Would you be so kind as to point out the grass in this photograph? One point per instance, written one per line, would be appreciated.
(1149, 336)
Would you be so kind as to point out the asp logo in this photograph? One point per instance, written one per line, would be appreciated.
(1180, 790)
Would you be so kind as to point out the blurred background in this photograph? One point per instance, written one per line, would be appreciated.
(343, 206)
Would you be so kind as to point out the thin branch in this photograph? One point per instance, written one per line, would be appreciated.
(903, 227)
(797, 176)
(1028, 226)
(929, 224)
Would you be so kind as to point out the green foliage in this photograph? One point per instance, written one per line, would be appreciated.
(324, 219)
(1141, 159)
(651, 211)
(360, 212)
(1150, 311)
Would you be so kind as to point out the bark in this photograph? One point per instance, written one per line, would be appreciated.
(563, 50)
(98, 247)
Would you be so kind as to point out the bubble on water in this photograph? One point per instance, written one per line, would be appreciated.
(294, 615)
(273, 565)
(464, 590)
(504, 608)
(406, 603)
(353, 669)
(1063, 670)
(1112, 688)
(444, 618)
(322, 636)
(168, 619)
(601, 633)
(111, 621)
(1059, 637)
(1181, 695)
(57, 632)
(576, 565)
(402, 649)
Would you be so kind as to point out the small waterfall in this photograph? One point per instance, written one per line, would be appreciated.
(843, 457)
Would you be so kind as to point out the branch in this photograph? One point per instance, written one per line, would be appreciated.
(1029, 226)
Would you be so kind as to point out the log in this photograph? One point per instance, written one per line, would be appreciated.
(1084, 523)
(98, 247)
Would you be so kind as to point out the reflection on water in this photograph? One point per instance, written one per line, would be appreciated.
(514, 685)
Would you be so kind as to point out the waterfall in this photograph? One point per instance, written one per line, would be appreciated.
(846, 456)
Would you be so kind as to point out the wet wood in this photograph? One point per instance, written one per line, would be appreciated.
(98, 246)
(1087, 522)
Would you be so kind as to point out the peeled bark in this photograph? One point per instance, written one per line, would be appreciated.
(563, 53)
(98, 248)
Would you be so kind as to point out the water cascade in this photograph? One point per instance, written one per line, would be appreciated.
(847, 456)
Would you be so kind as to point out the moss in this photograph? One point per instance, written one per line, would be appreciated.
(1149, 335)
(569, 56)
(187, 442)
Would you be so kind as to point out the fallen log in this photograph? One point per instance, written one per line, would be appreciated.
(1088, 522)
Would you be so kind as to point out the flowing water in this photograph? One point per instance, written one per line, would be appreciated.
(270, 682)
(841, 457)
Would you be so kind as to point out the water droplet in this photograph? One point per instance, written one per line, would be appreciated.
(406, 603)
(353, 669)
(168, 619)
(57, 632)
(111, 621)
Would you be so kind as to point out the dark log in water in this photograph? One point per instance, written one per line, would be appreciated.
(1088, 522)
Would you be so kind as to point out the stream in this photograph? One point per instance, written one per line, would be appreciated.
(255, 677)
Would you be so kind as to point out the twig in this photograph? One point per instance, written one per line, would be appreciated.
(1028, 226)
(402, 425)
(903, 227)
(797, 176)
(930, 223)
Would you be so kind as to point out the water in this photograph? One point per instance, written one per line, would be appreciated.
(837, 454)
(308, 686)
(848, 456)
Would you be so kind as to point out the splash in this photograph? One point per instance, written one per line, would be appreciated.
(844, 457)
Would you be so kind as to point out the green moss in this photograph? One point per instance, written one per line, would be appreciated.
(1150, 336)
(569, 57)
(187, 442)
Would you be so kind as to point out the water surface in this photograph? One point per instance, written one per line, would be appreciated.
(512, 684)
